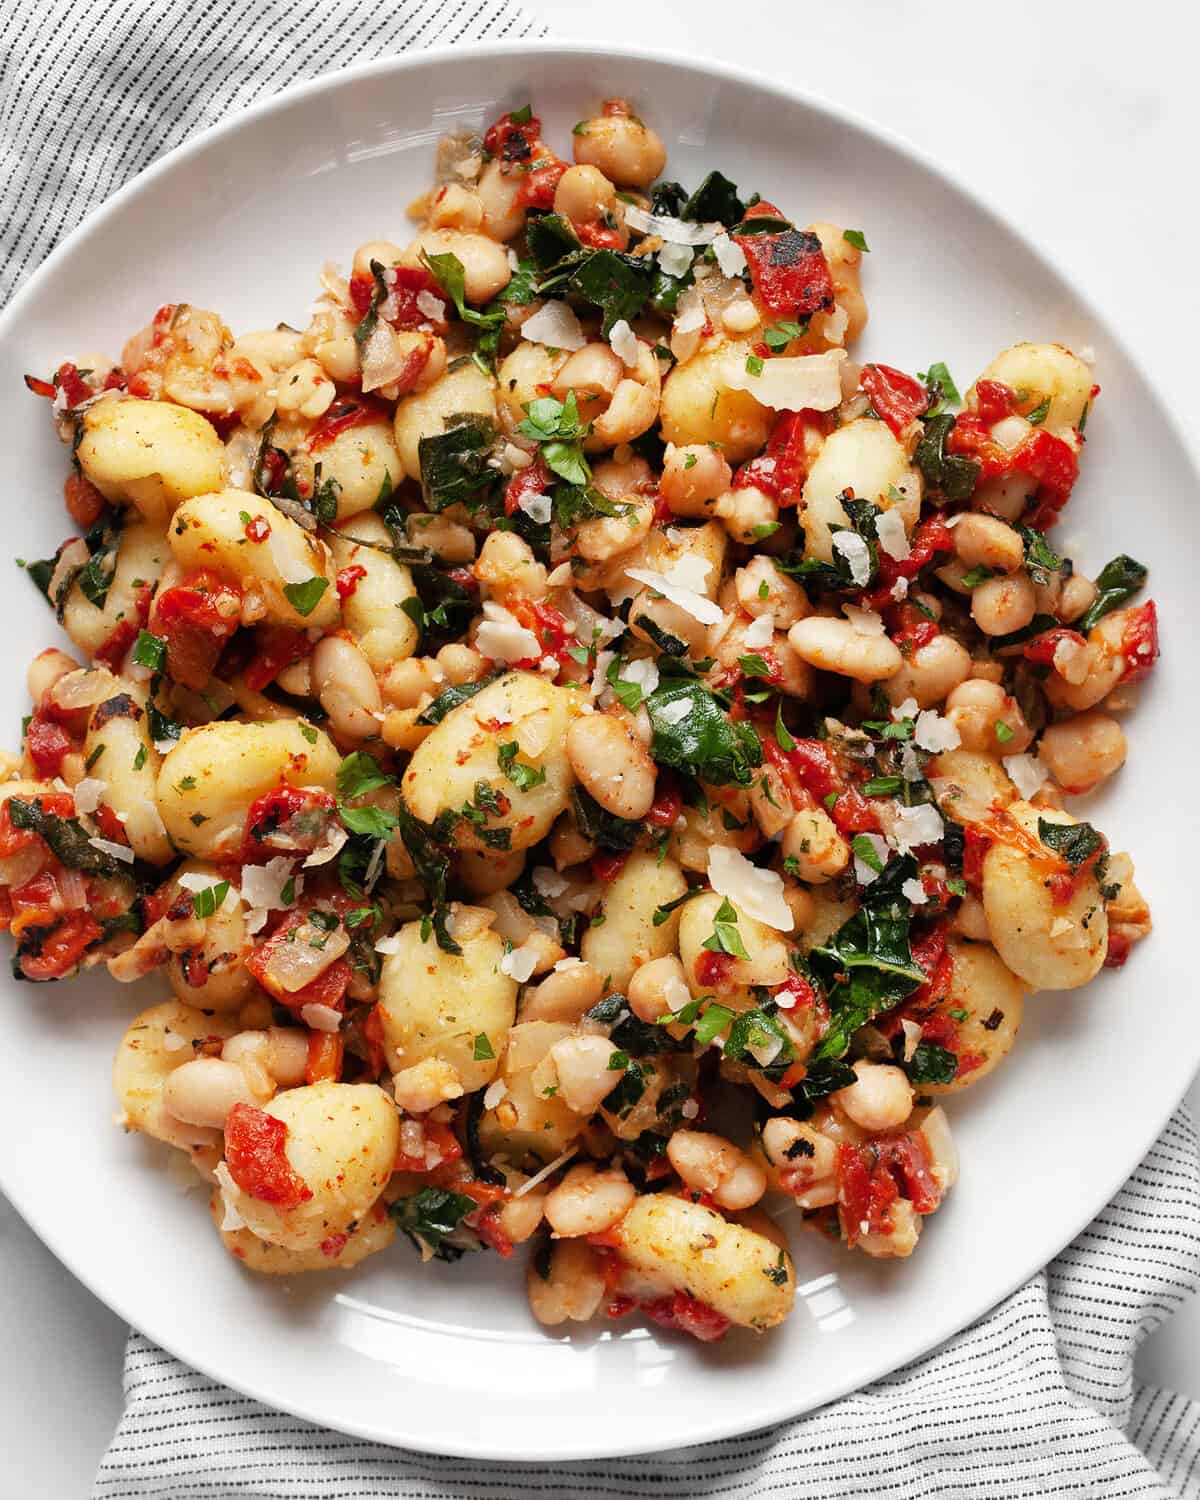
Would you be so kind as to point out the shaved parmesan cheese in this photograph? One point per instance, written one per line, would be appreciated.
(382, 359)
(857, 554)
(173, 1042)
(431, 306)
(934, 733)
(915, 892)
(115, 851)
(257, 920)
(624, 343)
(375, 864)
(914, 826)
(549, 883)
(643, 673)
(865, 621)
(671, 585)
(88, 793)
(759, 893)
(536, 507)
(905, 710)
(730, 256)
(674, 713)
(761, 632)
(910, 764)
(674, 231)
(690, 316)
(912, 1035)
(329, 847)
(1027, 774)
(675, 260)
(514, 457)
(764, 1054)
(262, 885)
(547, 1171)
(889, 528)
(863, 872)
(604, 659)
(521, 962)
(501, 638)
(900, 589)
(555, 325)
(321, 1017)
(496, 1090)
(795, 383)
(389, 944)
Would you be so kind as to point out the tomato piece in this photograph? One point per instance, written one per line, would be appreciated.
(85, 504)
(687, 1314)
(1055, 466)
(275, 647)
(782, 467)
(914, 631)
(447, 1148)
(349, 579)
(373, 1036)
(511, 141)
(47, 743)
(406, 284)
(712, 969)
(547, 623)
(668, 801)
(257, 529)
(537, 191)
(898, 398)
(606, 867)
(852, 813)
(326, 1052)
(113, 650)
(348, 413)
(795, 993)
(109, 824)
(1119, 948)
(1042, 648)
(196, 618)
(814, 765)
(329, 986)
(1139, 641)
(13, 840)
(255, 1152)
(536, 479)
(789, 270)
(994, 400)
(62, 947)
(287, 820)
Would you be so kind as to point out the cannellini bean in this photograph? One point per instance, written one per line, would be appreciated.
(611, 762)
(47, 668)
(588, 1200)
(519, 1219)
(836, 646)
(987, 718)
(204, 1090)
(745, 512)
(881, 1097)
(657, 988)
(485, 263)
(628, 152)
(485, 871)
(564, 995)
(1083, 751)
(283, 1051)
(1001, 605)
(508, 567)
(711, 1164)
(584, 1075)
(346, 688)
(982, 541)
(573, 1287)
(929, 674)
(693, 478)
(406, 683)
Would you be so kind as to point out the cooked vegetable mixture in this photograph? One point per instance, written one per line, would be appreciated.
(584, 753)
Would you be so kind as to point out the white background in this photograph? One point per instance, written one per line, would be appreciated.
(1078, 121)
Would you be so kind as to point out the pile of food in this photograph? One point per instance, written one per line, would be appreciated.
(584, 753)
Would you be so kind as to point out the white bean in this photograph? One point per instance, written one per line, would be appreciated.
(204, 1090)
(346, 688)
(612, 763)
(589, 1200)
(881, 1098)
(836, 646)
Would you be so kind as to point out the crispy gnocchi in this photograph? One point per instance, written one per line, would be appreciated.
(557, 684)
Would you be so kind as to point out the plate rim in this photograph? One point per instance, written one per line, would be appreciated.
(605, 51)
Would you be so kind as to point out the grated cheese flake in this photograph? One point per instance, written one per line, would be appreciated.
(730, 256)
(889, 528)
(1027, 774)
(863, 872)
(934, 733)
(857, 554)
(914, 826)
(554, 325)
(502, 638)
(321, 1017)
(760, 632)
(802, 382)
(329, 847)
(675, 260)
(759, 893)
(865, 621)
(667, 227)
(624, 343)
(520, 963)
(88, 794)
(548, 882)
(915, 892)
(113, 850)
(681, 584)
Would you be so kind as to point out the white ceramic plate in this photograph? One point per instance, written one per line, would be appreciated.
(447, 1358)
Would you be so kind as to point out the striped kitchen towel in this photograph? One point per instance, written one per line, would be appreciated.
(1036, 1399)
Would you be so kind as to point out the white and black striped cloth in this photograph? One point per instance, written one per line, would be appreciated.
(1038, 1399)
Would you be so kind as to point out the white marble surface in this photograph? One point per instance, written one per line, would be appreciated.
(1068, 118)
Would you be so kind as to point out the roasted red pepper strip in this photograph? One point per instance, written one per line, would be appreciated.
(898, 398)
(789, 269)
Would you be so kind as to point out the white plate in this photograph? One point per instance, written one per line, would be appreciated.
(446, 1358)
